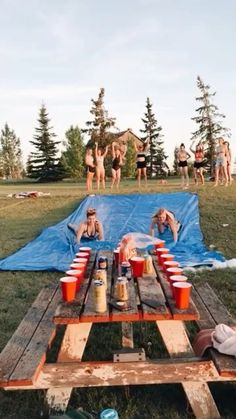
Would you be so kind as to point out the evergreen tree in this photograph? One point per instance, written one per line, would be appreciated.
(175, 164)
(98, 128)
(10, 154)
(209, 122)
(73, 157)
(156, 162)
(44, 161)
(129, 168)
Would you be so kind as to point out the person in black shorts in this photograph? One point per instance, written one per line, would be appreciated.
(141, 160)
(89, 161)
(183, 156)
(118, 156)
(198, 162)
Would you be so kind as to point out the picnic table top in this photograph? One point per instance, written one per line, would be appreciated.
(150, 298)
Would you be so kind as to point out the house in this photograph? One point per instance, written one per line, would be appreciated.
(123, 136)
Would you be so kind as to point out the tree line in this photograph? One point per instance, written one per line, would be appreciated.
(46, 163)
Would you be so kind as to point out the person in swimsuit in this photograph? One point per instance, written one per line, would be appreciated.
(228, 159)
(89, 161)
(91, 229)
(100, 170)
(117, 161)
(198, 163)
(141, 160)
(221, 162)
(183, 157)
(162, 219)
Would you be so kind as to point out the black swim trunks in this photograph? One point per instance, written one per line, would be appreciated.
(198, 164)
(183, 163)
(91, 169)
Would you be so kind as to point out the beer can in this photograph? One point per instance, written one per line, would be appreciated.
(102, 262)
(101, 274)
(122, 288)
(99, 296)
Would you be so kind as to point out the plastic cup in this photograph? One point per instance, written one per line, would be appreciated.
(78, 274)
(85, 249)
(159, 244)
(68, 287)
(170, 264)
(116, 253)
(80, 260)
(182, 294)
(176, 278)
(164, 257)
(84, 255)
(173, 271)
(137, 266)
(80, 266)
(161, 251)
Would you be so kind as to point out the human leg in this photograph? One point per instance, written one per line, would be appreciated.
(144, 170)
(201, 175)
(102, 174)
(98, 177)
(186, 176)
(139, 177)
(181, 171)
(113, 181)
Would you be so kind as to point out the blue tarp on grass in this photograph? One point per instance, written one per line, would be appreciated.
(55, 247)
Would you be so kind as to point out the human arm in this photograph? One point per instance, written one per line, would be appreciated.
(80, 232)
(96, 150)
(106, 151)
(187, 155)
(152, 227)
(173, 227)
(113, 149)
(135, 146)
(100, 231)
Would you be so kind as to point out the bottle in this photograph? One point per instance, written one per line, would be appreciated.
(109, 414)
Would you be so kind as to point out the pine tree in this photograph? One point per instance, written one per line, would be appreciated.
(175, 163)
(10, 154)
(209, 122)
(73, 157)
(156, 162)
(44, 161)
(98, 128)
(129, 168)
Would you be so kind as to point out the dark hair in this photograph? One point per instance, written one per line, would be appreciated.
(182, 145)
(91, 211)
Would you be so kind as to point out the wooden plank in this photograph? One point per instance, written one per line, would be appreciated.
(175, 338)
(88, 313)
(69, 313)
(201, 401)
(191, 313)
(116, 373)
(205, 321)
(127, 335)
(216, 308)
(18, 343)
(151, 291)
(34, 356)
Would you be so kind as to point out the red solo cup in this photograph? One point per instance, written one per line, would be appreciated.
(80, 266)
(80, 260)
(83, 255)
(169, 264)
(176, 278)
(79, 274)
(159, 244)
(85, 250)
(116, 253)
(161, 251)
(173, 271)
(164, 257)
(137, 266)
(182, 292)
(68, 287)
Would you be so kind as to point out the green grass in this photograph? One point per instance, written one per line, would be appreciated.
(22, 220)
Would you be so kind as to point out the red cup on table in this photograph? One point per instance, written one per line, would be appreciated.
(81, 260)
(173, 271)
(116, 254)
(68, 287)
(182, 291)
(137, 266)
(161, 251)
(159, 244)
(85, 250)
(170, 264)
(84, 255)
(78, 274)
(176, 278)
(80, 266)
(165, 257)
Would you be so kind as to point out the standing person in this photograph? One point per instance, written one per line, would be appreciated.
(228, 159)
(221, 162)
(165, 219)
(117, 162)
(89, 161)
(198, 163)
(183, 157)
(141, 160)
(100, 170)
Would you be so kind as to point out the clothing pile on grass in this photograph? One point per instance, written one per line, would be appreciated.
(28, 194)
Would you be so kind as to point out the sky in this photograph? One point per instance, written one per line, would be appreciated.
(61, 53)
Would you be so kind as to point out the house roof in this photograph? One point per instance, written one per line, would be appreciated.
(117, 135)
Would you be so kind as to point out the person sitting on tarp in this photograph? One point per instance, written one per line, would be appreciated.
(162, 219)
(91, 229)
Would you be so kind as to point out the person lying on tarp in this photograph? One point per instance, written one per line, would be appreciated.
(91, 229)
(165, 219)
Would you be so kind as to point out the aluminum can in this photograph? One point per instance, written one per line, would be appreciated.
(102, 263)
(99, 296)
(101, 274)
(122, 289)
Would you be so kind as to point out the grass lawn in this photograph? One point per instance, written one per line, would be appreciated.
(21, 220)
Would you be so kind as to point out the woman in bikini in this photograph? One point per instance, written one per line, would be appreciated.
(221, 162)
(89, 161)
(91, 229)
(141, 160)
(183, 157)
(162, 219)
(228, 159)
(198, 163)
(100, 170)
(117, 162)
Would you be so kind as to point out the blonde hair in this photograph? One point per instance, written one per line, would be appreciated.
(159, 212)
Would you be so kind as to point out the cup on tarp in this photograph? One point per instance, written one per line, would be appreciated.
(85, 250)
(161, 251)
(176, 278)
(137, 266)
(173, 271)
(79, 274)
(182, 291)
(68, 287)
(169, 264)
(164, 257)
(159, 244)
(116, 253)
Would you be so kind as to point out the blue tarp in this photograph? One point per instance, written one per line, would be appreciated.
(56, 246)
